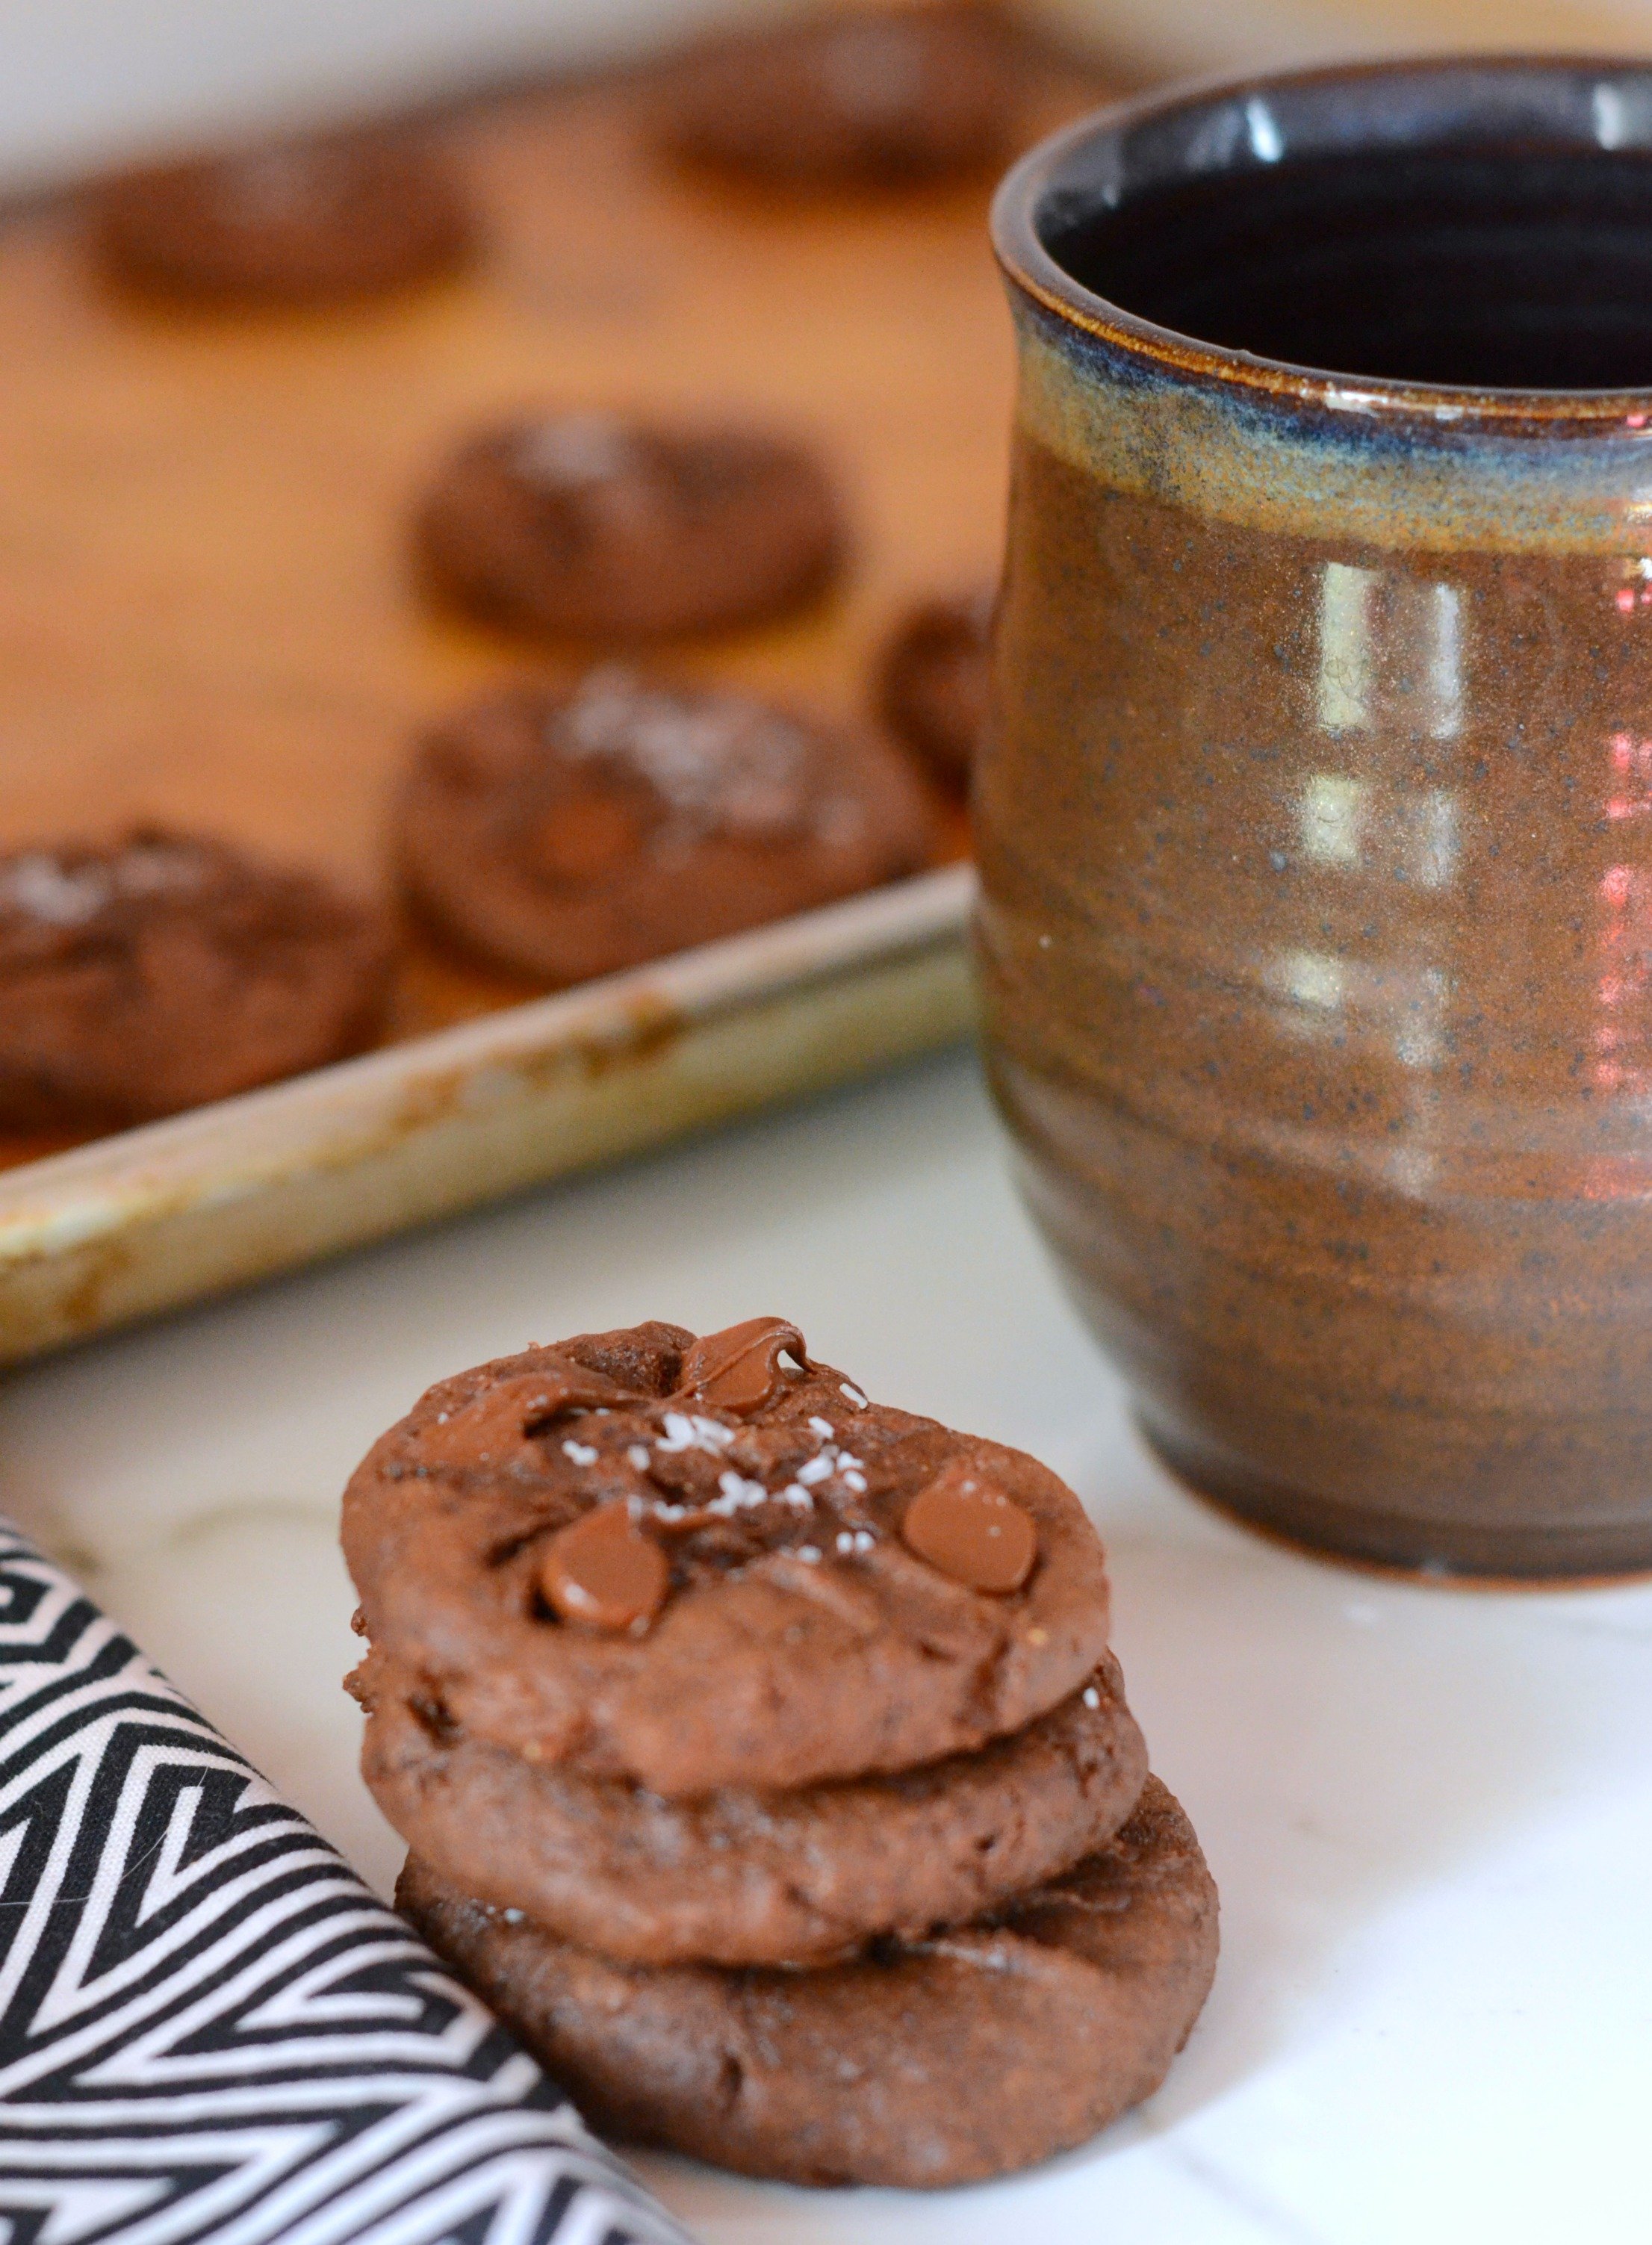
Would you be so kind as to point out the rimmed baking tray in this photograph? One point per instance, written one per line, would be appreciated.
(206, 616)
(153, 1218)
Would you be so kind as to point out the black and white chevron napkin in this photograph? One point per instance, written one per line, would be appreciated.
(209, 2028)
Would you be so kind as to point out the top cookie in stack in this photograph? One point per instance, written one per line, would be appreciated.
(688, 1660)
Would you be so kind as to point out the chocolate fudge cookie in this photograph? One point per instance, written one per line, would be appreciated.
(862, 96)
(713, 1562)
(169, 969)
(344, 216)
(753, 1878)
(927, 2063)
(934, 682)
(590, 527)
(563, 835)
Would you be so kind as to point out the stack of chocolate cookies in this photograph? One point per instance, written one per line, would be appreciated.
(763, 1761)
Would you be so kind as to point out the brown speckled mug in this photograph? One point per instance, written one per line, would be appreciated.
(1316, 828)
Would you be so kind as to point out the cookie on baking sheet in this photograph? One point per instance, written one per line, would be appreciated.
(752, 1878)
(592, 525)
(566, 834)
(934, 679)
(344, 214)
(167, 969)
(942, 2061)
(701, 1563)
(852, 96)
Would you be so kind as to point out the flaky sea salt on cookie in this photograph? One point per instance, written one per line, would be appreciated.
(567, 834)
(786, 1583)
(852, 96)
(163, 969)
(301, 221)
(598, 525)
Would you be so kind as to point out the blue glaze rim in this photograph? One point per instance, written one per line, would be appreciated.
(1236, 124)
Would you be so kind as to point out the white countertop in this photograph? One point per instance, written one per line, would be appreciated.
(1429, 1811)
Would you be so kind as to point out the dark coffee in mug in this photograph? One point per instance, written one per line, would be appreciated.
(1509, 267)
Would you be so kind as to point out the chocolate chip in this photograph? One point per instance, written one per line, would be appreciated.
(499, 1420)
(738, 1368)
(605, 1571)
(966, 1527)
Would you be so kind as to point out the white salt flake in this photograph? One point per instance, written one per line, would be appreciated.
(823, 1427)
(158, 869)
(716, 759)
(684, 1433)
(45, 889)
(853, 1393)
(581, 1452)
(845, 1541)
(1092, 1696)
(816, 1469)
(797, 1496)
(738, 1495)
(856, 1482)
(809, 1554)
(638, 1456)
(576, 450)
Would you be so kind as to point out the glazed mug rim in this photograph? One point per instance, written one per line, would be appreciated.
(1244, 106)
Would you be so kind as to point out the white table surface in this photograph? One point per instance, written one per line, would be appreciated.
(1429, 1811)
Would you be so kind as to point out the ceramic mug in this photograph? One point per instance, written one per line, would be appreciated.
(1316, 826)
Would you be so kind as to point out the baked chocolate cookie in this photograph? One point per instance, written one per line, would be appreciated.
(705, 1564)
(588, 526)
(928, 2063)
(167, 969)
(853, 98)
(565, 834)
(343, 216)
(934, 683)
(753, 1878)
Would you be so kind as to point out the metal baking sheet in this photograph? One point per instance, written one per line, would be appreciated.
(150, 1219)
(206, 616)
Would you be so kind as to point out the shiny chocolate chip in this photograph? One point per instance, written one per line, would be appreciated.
(603, 1571)
(739, 1369)
(494, 1424)
(966, 1527)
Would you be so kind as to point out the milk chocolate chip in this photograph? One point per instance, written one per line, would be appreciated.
(603, 1571)
(499, 1420)
(738, 1368)
(967, 1528)
(801, 1642)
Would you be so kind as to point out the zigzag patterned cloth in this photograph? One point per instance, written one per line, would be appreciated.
(209, 2028)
